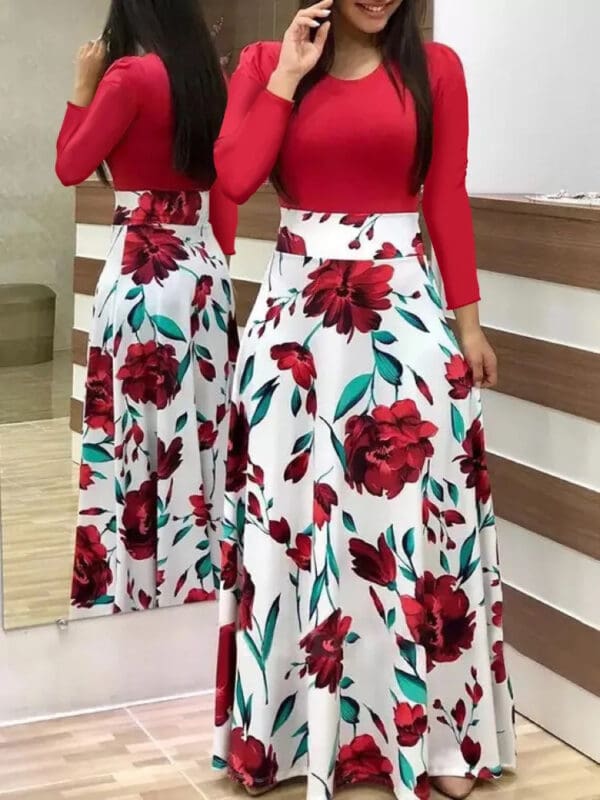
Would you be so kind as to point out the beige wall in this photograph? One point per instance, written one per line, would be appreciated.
(37, 43)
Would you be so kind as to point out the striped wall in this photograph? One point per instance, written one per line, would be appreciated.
(540, 279)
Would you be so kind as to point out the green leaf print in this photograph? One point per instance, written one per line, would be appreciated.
(136, 316)
(391, 618)
(408, 651)
(296, 401)
(303, 443)
(182, 534)
(204, 567)
(350, 710)
(470, 569)
(220, 318)
(332, 561)
(202, 352)
(284, 713)
(450, 333)
(352, 394)
(247, 374)
(205, 320)
(254, 650)
(337, 446)
(406, 771)
(240, 518)
(346, 683)
(112, 525)
(434, 296)
(244, 708)
(181, 423)
(119, 492)
(408, 542)
(95, 454)
(458, 425)
(349, 523)
(303, 746)
(389, 368)
(409, 574)
(466, 553)
(412, 687)
(316, 593)
(262, 409)
(203, 545)
(183, 367)
(105, 600)
(226, 289)
(133, 293)
(437, 489)
(453, 490)
(219, 763)
(413, 320)
(384, 337)
(352, 637)
(444, 563)
(270, 626)
(390, 538)
(163, 520)
(108, 332)
(168, 328)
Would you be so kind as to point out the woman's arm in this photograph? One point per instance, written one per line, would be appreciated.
(223, 218)
(90, 133)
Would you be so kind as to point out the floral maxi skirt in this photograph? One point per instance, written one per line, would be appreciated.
(361, 607)
(156, 411)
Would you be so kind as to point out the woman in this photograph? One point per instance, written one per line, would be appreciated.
(149, 100)
(361, 615)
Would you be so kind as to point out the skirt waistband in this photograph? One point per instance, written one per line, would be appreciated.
(349, 236)
(161, 208)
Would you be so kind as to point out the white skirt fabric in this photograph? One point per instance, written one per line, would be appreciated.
(361, 606)
(160, 356)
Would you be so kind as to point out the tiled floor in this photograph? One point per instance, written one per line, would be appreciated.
(162, 752)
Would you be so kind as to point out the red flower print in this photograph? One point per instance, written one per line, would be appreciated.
(411, 724)
(311, 402)
(151, 253)
(475, 692)
(354, 220)
(387, 252)
(438, 618)
(387, 450)
(121, 216)
(207, 435)
(452, 517)
(301, 554)
(498, 664)
(168, 208)
(288, 242)
(246, 601)
(226, 668)
(233, 339)
(203, 292)
(297, 358)
(237, 451)
(86, 476)
(250, 762)
(199, 596)
(419, 249)
(201, 510)
(374, 564)
(91, 574)
(229, 565)
(280, 531)
(348, 294)
(254, 506)
(474, 463)
(169, 459)
(323, 500)
(422, 789)
(362, 761)
(460, 377)
(497, 613)
(296, 469)
(459, 713)
(471, 751)
(99, 413)
(325, 648)
(149, 373)
(139, 521)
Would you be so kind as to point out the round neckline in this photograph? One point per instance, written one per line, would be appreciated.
(357, 80)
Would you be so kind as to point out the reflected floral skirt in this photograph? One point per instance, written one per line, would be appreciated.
(160, 355)
(361, 607)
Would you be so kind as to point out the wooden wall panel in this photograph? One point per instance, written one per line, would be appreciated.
(554, 508)
(86, 272)
(559, 642)
(76, 415)
(94, 204)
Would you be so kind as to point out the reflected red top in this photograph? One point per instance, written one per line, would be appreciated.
(350, 149)
(130, 125)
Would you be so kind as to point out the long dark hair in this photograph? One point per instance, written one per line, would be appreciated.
(405, 60)
(177, 32)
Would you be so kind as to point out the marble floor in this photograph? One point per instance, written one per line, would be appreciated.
(162, 751)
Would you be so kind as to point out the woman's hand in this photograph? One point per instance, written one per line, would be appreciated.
(90, 64)
(299, 55)
(478, 352)
(480, 356)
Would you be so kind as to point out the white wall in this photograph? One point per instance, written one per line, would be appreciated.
(534, 81)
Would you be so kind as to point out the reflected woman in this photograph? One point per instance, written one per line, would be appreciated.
(149, 101)
(361, 617)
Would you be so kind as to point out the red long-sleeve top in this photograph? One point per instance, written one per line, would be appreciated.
(350, 147)
(130, 125)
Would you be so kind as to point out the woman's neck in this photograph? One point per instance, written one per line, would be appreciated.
(356, 53)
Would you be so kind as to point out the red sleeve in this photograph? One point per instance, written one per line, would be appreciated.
(254, 124)
(89, 135)
(223, 218)
(445, 201)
